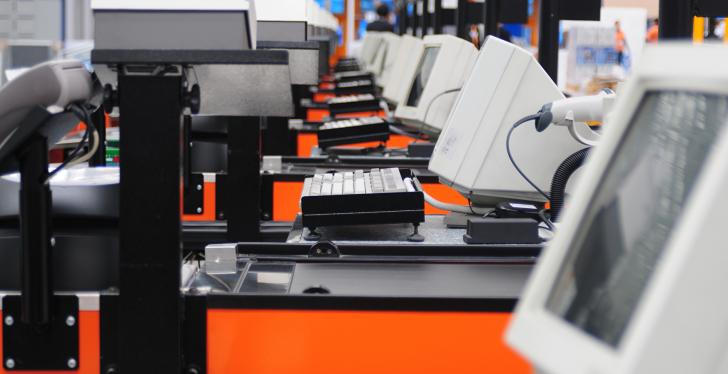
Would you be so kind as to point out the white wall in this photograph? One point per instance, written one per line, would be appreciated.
(651, 6)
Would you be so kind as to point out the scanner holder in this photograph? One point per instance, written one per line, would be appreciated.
(40, 330)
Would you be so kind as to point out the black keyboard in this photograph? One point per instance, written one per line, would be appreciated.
(350, 131)
(349, 99)
(347, 65)
(353, 103)
(355, 86)
(377, 196)
(353, 76)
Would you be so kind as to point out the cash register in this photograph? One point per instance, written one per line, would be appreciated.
(633, 281)
(428, 78)
(474, 153)
(471, 154)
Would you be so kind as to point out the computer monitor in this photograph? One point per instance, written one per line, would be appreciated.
(282, 20)
(408, 58)
(369, 48)
(18, 55)
(633, 281)
(377, 54)
(433, 86)
(506, 84)
(392, 43)
(174, 25)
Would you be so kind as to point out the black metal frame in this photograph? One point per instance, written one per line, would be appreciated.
(491, 17)
(437, 22)
(676, 16)
(387, 252)
(676, 19)
(243, 178)
(317, 302)
(548, 37)
(99, 119)
(150, 109)
(35, 231)
(40, 330)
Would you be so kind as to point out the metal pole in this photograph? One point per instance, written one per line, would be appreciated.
(99, 119)
(676, 19)
(437, 27)
(404, 18)
(243, 179)
(490, 18)
(548, 40)
(415, 18)
(35, 231)
(461, 19)
(425, 17)
(150, 109)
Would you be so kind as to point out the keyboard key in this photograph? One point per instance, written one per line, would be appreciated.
(338, 188)
(326, 189)
(359, 186)
(307, 186)
(348, 186)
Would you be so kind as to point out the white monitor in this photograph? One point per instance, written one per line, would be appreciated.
(507, 84)
(408, 57)
(170, 25)
(282, 20)
(634, 280)
(391, 42)
(445, 65)
(376, 63)
(369, 48)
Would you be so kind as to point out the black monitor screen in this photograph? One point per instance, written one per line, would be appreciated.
(422, 76)
(634, 211)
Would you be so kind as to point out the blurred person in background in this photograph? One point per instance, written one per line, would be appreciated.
(382, 23)
(620, 42)
(713, 25)
(653, 32)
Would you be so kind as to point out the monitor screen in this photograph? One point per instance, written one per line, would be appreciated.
(25, 56)
(634, 211)
(422, 76)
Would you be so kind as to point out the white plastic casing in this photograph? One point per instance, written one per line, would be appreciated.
(506, 84)
(680, 324)
(452, 67)
(409, 54)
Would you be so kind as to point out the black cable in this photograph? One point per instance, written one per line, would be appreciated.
(421, 130)
(84, 115)
(513, 161)
(561, 178)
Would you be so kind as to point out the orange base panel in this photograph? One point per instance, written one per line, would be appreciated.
(333, 342)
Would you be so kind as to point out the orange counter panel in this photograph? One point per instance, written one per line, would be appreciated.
(287, 194)
(442, 193)
(333, 342)
(89, 347)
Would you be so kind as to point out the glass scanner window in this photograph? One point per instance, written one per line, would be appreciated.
(423, 75)
(634, 211)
